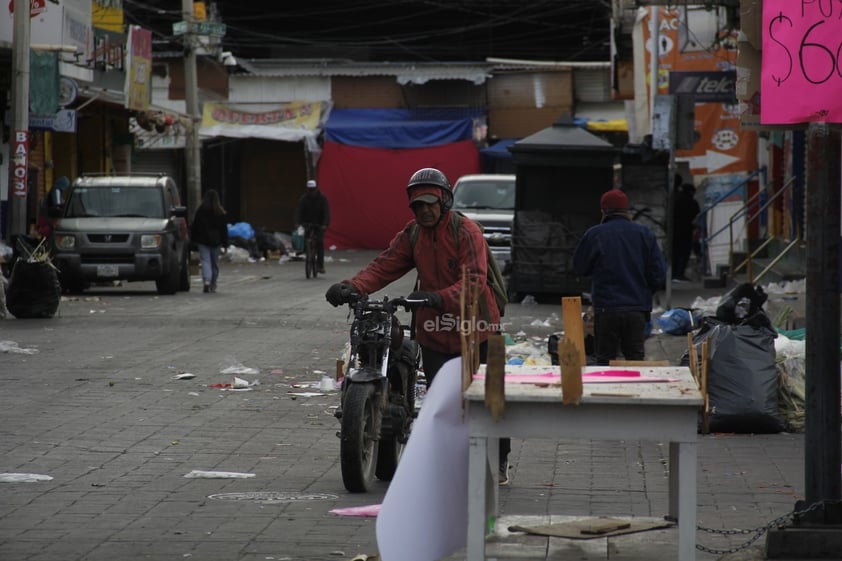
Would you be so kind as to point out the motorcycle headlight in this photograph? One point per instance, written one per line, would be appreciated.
(150, 241)
(65, 241)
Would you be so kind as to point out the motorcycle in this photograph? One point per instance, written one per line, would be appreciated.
(377, 405)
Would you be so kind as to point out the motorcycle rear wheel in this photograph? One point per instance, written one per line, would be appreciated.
(390, 448)
(358, 448)
(387, 458)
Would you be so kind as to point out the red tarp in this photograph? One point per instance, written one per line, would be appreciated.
(366, 187)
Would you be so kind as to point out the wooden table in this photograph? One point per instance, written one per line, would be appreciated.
(658, 411)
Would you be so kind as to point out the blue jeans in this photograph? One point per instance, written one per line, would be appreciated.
(209, 258)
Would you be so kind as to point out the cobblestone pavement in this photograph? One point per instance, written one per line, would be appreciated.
(99, 398)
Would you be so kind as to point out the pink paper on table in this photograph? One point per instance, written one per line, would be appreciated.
(598, 377)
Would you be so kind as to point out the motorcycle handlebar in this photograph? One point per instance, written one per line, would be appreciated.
(407, 304)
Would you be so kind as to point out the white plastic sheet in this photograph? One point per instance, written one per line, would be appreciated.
(424, 515)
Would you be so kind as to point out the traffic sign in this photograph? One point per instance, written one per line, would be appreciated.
(210, 28)
(199, 28)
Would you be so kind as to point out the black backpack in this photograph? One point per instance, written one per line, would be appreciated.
(494, 276)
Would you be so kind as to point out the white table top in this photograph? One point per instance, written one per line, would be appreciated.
(680, 390)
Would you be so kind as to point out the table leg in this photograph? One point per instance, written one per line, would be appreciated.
(492, 466)
(478, 474)
(686, 501)
(674, 469)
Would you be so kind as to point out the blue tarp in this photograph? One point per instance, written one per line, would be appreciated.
(400, 128)
(500, 149)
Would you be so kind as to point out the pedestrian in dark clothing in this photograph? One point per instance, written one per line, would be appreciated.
(626, 267)
(685, 211)
(210, 233)
(313, 209)
(51, 207)
(438, 257)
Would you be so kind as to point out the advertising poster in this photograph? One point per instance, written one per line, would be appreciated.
(801, 70)
(691, 46)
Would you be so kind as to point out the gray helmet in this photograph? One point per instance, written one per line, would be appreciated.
(426, 177)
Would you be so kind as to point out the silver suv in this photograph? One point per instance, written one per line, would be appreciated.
(122, 227)
(490, 200)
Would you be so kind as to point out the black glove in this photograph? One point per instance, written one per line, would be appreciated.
(339, 293)
(433, 298)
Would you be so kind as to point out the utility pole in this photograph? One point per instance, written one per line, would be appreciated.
(19, 145)
(193, 151)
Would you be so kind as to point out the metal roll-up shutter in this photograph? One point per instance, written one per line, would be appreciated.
(156, 161)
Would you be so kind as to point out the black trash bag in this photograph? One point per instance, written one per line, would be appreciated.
(269, 241)
(34, 290)
(743, 301)
(742, 378)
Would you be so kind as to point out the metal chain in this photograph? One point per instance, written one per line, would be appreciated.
(758, 532)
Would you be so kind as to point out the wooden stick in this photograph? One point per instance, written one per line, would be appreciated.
(571, 319)
(495, 377)
(618, 362)
(704, 388)
(472, 322)
(571, 372)
(463, 335)
(694, 360)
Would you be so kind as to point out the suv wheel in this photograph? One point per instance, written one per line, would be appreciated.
(168, 284)
(184, 274)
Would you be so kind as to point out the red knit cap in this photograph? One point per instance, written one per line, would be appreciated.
(614, 200)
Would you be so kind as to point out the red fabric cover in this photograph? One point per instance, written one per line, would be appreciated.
(366, 187)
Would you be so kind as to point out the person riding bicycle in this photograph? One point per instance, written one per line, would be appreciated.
(313, 209)
(438, 258)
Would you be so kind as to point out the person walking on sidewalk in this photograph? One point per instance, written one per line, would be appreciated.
(626, 267)
(210, 233)
(438, 257)
(685, 211)
(314, 209)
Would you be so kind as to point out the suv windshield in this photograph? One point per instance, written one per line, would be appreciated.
(115, 200)
(485, 194)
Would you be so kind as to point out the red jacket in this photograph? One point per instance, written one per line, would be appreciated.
(439, 266)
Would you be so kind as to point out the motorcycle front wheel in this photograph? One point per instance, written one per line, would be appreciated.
(358, 447)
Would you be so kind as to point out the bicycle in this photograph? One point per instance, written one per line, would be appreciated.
(311, 250)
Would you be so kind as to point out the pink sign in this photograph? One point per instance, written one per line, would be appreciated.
(801, 70)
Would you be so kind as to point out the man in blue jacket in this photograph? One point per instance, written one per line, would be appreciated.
(626, 267)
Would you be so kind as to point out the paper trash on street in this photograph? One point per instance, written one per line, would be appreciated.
(365, 510)
(200, 474)
(23, 478)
